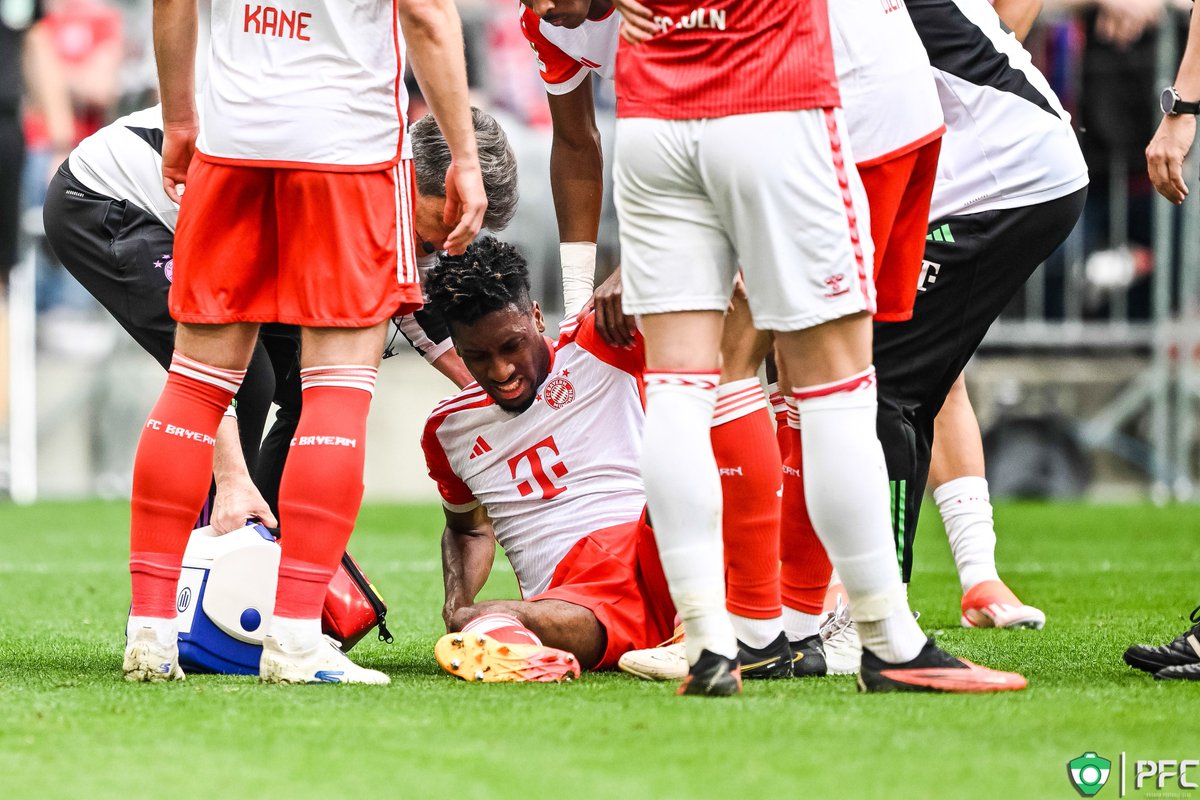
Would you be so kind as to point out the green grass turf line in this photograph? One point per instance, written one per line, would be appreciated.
(71, 728)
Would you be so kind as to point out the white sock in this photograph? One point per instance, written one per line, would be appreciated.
(798, 625)
(896, 639)
(846, 486)
(756, 633)
(293, 634)
(166, 631)
(967, 514)
(683, 493)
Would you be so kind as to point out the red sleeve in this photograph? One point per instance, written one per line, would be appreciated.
(454, 492)
(630, 359)
(555, 66)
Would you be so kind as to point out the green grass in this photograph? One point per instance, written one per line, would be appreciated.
(70, 727)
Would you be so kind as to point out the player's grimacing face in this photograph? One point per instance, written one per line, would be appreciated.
(505, 352)
(568, 13)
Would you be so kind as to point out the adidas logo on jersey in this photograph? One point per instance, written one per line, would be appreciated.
(480, 448)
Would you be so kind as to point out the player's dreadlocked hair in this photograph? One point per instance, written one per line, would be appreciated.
(489, 276)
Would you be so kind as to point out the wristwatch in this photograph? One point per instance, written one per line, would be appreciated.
(1173, 105)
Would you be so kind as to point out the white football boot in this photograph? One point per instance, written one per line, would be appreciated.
(322, 662)
(147, 660)
(843, 649)
(667, 662)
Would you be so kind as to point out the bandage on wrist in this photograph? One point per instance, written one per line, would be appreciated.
(578, 261)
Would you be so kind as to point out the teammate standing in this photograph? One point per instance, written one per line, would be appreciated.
(572, 40)
(709, 176)
(298, 211)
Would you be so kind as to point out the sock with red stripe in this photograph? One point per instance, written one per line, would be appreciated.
(683, 493)
(805, 568)
(321, 489)
(747, 457)
(846, 489)
(503, 628)
(171, 475)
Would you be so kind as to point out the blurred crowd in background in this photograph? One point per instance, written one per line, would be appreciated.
(88, 62)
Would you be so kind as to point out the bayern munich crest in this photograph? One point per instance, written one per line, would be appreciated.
(559, 392)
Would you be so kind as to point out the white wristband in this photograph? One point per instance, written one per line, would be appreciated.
(578, 274)
(231, 411)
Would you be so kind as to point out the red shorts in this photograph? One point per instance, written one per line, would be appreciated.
(615, 573)
(303, 247)
(899, 190)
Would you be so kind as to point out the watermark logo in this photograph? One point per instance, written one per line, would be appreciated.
(1089, 772)
(1158, 778)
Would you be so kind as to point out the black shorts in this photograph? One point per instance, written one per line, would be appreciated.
(974, 266)
(120, 253)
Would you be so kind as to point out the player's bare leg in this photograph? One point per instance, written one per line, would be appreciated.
(521, 640)
(956, 478)
(171, 475)
(683, 490)
(319, 498)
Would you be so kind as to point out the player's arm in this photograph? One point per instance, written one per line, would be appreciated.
(433, 33)
(175, 52)
(1175, 134)
(1018, 15)
(468, 550)
(237, 498)
(577, 184)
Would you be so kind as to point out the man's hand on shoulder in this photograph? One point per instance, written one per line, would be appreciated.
(612, 323)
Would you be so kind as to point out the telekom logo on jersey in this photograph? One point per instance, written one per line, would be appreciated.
(538, 470)
(277, 22)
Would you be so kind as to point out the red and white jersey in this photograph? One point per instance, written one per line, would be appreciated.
(565, 56)
(563, 468)
(727, 57)
(313, 84)
(888, 92)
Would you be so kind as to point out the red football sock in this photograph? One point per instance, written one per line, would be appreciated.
(171, 475)
(322, 484)
(806, 568)
(747, 456)
(503, 628)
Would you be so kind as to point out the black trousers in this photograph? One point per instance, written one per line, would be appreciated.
(119, 253)
(975, 265)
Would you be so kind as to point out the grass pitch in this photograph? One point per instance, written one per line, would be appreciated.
(1106, 577)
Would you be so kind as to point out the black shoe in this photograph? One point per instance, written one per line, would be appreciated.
(772, 661)
(712, 675)
(1187, 672)
(933, 670)
(1182, 652)
(808, 657)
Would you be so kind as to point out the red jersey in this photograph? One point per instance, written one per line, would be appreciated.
(729, 57)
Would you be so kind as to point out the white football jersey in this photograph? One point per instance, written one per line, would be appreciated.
(890, 100)
(318, 84)
(123, 160)
(566, 56)
(560, 470)
(1008, 141)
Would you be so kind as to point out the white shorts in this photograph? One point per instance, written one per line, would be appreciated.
(776, 193)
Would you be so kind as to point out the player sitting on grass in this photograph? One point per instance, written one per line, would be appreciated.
(540, 455)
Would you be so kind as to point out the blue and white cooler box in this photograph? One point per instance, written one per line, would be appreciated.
(226, 595)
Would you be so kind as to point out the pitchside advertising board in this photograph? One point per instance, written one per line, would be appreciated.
(1142, 777)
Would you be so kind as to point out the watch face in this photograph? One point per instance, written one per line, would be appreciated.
(1167, 100)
